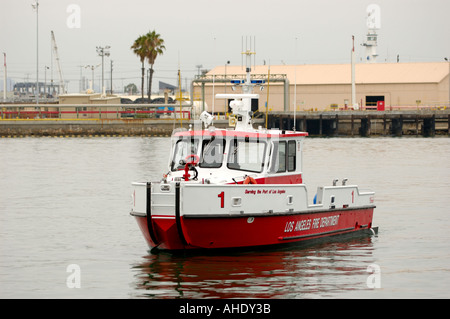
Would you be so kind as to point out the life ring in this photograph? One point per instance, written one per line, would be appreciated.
(250, 180)
(192, 159)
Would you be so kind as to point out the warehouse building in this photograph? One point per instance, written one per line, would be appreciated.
(329, 86)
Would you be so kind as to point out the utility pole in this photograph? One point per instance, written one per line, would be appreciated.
(45, 81)
(5, 79)
(353, 73)
(198, 66)
(92, 67)
(103, 51)
(111, 77)
(81, 78)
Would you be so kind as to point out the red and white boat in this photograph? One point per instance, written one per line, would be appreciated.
(243, 187)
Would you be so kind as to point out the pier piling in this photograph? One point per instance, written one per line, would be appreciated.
(429, 126)
(397, 126)
(367, 123)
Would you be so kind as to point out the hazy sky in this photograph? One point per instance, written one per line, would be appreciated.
(209, 33)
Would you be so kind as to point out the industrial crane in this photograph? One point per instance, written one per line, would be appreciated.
(55, 51)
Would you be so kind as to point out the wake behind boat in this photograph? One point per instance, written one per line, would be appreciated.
(243, 187)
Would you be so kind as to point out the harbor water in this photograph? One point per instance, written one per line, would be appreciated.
(66, 231)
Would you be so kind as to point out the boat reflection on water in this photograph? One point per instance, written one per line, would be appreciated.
(316, 271)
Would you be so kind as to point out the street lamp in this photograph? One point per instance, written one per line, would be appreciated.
(36, 6)
(103, 51)
(92, 67)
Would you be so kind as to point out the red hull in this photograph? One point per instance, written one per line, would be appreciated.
(212, 232)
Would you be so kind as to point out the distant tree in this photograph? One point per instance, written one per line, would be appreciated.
(130, 88)
(148, 47)
(139, 48)
(155, 48)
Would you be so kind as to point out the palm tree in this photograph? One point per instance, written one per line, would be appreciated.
(148, 46)
(155, 47)
(139, 48)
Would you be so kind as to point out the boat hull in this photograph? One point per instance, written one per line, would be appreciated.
(223, 231)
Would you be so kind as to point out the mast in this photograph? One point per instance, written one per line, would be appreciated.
(353, 73)
(373, 24)
(242, 103)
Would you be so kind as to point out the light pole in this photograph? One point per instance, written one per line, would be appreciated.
(36, 6)
(448, 60)
(5, 79)
(45, 81)
(92, 67)
(226, 100)
(111, 90)
(103, 51)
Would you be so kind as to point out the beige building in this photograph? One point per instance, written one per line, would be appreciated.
(329, 86)
(83, 106)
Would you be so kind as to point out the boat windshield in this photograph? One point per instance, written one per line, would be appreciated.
(212, 151)
(247, 155)
(183, 148)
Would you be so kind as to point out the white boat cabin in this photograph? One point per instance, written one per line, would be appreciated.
(216, 156)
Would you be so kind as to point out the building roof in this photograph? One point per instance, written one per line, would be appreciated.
(365, 73)
(166, 86)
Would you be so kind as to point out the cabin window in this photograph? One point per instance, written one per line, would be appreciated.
(212, 153)
(281, 157)
(183, 148)
(291, 156)
(284, 156)
(246, 155)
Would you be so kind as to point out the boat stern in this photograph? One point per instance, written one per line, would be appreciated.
(153, 206)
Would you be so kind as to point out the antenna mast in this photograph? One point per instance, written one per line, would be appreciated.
(242, 103)
(247, 88)
(373, 24)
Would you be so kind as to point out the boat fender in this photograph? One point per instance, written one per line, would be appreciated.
(249, 180)
(315, 199)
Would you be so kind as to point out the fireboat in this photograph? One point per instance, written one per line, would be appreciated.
(243, 187)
